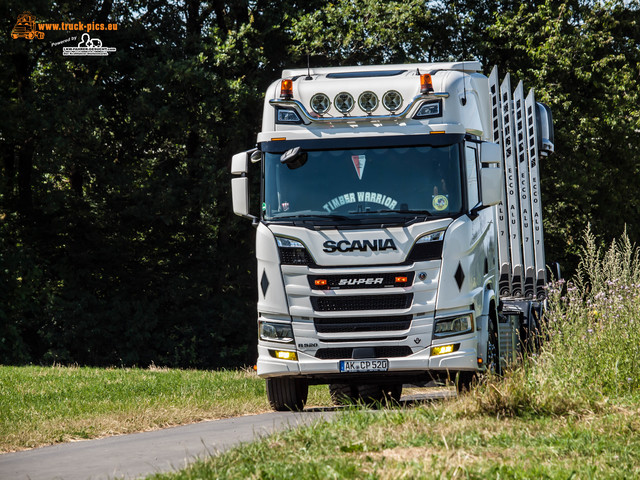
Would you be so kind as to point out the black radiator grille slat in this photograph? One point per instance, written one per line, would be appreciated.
(392, 351)
(361, 280)
(362, 324)
(362, 302)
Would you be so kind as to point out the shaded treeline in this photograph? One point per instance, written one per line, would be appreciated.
(117, 241)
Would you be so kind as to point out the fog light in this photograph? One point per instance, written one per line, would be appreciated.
(444, 349)
(284, 355)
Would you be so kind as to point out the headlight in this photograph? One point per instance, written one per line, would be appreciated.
(276, 332)
(285, 115)
(432, 237)
(427, 247)
(429, 110)
(288, 243)
(293, 252)
(453, 326)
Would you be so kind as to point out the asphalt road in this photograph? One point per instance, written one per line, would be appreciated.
(140, 454)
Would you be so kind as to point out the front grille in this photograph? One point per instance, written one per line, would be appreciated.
(361, 280)
(362, 324)
(380, 352)
(362, 302)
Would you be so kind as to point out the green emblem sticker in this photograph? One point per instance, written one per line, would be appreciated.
(440, 202)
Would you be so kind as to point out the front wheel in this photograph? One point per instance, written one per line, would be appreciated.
(287, 394)
(493, 349)
(465, 381)
(343, 393)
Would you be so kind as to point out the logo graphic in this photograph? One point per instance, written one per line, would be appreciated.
(88, 47)
(25, 27)
(440, 202)
(358, 162)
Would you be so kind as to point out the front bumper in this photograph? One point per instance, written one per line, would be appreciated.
(421, 363)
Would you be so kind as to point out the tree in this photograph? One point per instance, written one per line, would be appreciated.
(583, 58)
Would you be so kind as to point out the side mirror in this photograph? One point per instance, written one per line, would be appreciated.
(240, 185)
(544, 121)
(240, 193)
(239, 163)
(491, 175)
(491, 179)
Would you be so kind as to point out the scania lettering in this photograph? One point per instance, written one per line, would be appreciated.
(359, 245)
(400, 237)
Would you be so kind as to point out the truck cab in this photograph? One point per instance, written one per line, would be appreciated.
(377, 237)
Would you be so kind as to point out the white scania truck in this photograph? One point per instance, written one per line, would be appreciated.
(400, 233)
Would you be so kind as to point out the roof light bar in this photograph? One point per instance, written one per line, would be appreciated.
(368, 101)
(344, 102)
(320, 103)
(392, 100)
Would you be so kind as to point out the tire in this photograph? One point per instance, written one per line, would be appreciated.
(493, 349)
(371, 395)
(465, 381)
(343, 393)
(392, 393)
(287, 394)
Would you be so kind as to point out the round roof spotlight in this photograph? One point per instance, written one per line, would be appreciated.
(320, 103)
(368, 101)
(392, 100)
(344, 102)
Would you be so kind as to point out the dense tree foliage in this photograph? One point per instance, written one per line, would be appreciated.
(117, 241)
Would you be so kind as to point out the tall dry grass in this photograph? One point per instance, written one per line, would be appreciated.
(590, 354)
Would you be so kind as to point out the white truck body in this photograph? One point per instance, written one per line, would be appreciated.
(386, 240)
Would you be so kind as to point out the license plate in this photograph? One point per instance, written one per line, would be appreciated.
(349, 366)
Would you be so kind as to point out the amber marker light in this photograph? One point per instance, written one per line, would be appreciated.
(401, 279)
(321, 282)
(426, 85)
(286, 89)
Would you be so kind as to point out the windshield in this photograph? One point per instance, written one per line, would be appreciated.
(364, 182)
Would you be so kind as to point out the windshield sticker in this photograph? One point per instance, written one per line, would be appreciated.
(440, 202)
(358, 162)
(371, 197)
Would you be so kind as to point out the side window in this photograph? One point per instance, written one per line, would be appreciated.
(472, 176)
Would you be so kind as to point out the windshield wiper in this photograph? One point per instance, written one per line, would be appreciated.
(411, 212)
(318, 216)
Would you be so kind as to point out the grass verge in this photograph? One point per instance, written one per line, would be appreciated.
(439, 441)
(46, 405)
